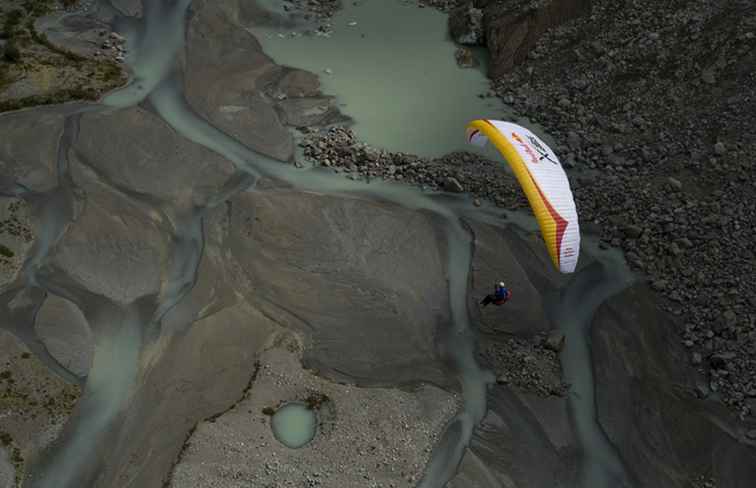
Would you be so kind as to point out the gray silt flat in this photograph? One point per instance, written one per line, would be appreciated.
(146, 158)
(365, 280)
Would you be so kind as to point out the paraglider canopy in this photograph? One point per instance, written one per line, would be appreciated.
(542, 178)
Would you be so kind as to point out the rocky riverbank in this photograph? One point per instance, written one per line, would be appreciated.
(657, 143)
(337, 147)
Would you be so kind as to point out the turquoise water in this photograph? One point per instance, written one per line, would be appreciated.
(393, 71)
(294, 425)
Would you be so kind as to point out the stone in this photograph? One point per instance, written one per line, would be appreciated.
(719, 149)
(465, 58)
(555, 341)
(751, 404)
(708, 77)
(719, 361)
(729, 317)
(573, 140)
(674, 183)
(659, 285)
(684, 242)
(632, 231)
(453, 185)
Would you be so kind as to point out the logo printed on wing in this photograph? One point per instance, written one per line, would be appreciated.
(541, 150)
(526, 147)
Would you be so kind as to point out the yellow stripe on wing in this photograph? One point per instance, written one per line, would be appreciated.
(545, 220)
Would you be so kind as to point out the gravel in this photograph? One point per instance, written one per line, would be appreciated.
(34, 405)
(16, 237)
(322, 9)
(371, 437)
(660, 160)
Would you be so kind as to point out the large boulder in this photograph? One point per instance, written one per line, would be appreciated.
(466, 25)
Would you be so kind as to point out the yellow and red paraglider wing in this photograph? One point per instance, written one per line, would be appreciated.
(540, 174)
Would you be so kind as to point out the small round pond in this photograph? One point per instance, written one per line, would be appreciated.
(294, 424)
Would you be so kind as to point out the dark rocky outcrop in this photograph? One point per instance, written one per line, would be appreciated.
(513, 27)
(466, 24)
(509, 28)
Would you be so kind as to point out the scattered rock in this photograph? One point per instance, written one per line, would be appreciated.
(526, 365)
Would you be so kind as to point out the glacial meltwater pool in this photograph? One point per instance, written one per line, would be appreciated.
(294, 425)
(392, 69)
